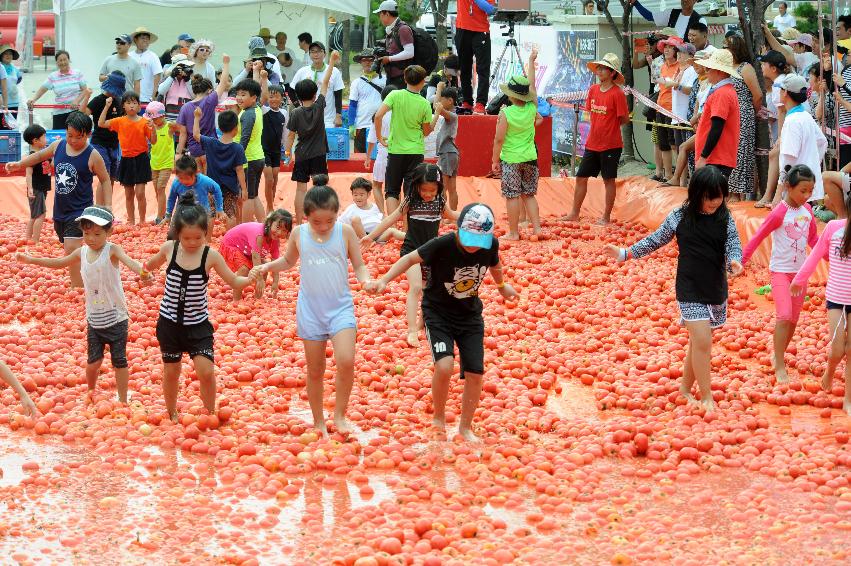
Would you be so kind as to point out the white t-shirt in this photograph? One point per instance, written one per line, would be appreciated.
(335, 85)
(370, 217)
(803, 61)
(782, 23)
(679, 100)
(662, 18)
(385, 129)
(151, 67)
(801, 141)
(368, 98)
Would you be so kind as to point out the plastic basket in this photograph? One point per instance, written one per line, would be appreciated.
(55, 135)
(10, 146)
(338, 144)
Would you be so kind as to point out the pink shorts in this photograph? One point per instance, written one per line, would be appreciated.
(788, 308)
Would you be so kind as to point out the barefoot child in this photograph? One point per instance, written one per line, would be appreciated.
(38, 183)
(325, 309)
(9, 378)
(364, 216)
(379, 168)
(274, 135)
(792, 227)
(189, 179)
(447, 151)
(709, 246)
(452, 309)
(184, 321)
(425, 206)
(247, 245)
(606, 103)
(225, 163)
(250, 136)
(106, 308)
(162, 153)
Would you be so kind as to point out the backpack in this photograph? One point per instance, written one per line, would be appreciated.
(425, 48)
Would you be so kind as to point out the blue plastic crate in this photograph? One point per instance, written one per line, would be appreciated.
(338, 143)
(10, 146)
(54, 135)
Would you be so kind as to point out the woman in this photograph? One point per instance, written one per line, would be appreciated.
(174, 90)
(199, 53)
(206, 99)
(669, 71)
(13, 77)
(742, 179)
(68, 86)
(165, 58)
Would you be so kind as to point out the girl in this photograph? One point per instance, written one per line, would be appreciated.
(669, 70)
(325, 309)
(792, 227)
(134, 133)
(834, 245)
(162, 153)
(9, 379)
(709, 246)
(184, 321)
(245, 245)
(425, 206)
(206, 99)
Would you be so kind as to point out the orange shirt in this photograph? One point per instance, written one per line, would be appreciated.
(132, 136)
(723, 102)
(669, 71)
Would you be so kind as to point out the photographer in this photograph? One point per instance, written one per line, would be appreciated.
(399, 43)
(174, 90)
(473, 40)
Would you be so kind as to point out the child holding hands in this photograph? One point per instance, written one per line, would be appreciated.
(38, 183)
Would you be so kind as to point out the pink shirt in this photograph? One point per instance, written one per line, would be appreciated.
(243, 237)
(839, 269)
(791, 229)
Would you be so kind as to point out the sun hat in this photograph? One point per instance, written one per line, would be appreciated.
(114, 85)
(387, 6)
(181, 59)
(803, 39)
(124, 37)
(789, 33)
(7, 47)
(687, 48)
(794, 83)
(722, 60)
(260, 53)
(185, 37)
(142, 30)
(671, 41)
(475, 226)
(518, 87)
(193, 49)
(705, 52)
(96, 214)
(669, 32)
(610, 61)
(365, 54)
(318, 44)
(264, 33)
(154, 110)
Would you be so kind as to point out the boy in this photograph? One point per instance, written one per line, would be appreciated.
(104, 140)
(250, 134)
(274, 134)
(106, 308)
(606, 103)
(364, 98)
(447, 152)
(333, 117)
(365, 217)
(308, 123)
(410, 124)
(452, 311)
(225, 163)
(380, 168)
(38, 183)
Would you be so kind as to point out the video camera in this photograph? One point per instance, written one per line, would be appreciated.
(379, 51)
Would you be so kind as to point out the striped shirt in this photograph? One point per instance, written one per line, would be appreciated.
(829, 246)
(844, 115)
(185, 296)
(66, 86)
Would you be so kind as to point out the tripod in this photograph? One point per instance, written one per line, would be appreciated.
(509, 43)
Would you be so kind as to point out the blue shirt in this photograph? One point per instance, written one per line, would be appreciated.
(222, 162)
(73, 183)
(203, 186)
(13, 77)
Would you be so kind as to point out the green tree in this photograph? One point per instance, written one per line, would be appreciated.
(806, 18)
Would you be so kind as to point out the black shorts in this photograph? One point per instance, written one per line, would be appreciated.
(836, 306)
(38, 204)
(67, 229)
(303, 169)
(177, 339)
(444, 333)
(272, 158)
(115, 337)
(400, 167)
(724, 170)
(231, 203)
(665, 136)
(253, 174)
(135, 170)
(604, 163)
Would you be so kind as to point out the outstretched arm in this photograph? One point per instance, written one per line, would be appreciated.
(9, 378)
(33, 159)
(388, 221)
(217, 262)
(50, 262)
(283, 263)
(133, 265)
(401, 266)
(159, 258)
(772, 222)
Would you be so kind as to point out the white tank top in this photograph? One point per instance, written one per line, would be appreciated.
(105, 302)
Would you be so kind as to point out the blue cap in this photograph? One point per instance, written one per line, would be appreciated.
(475, 226)
(185, 37)
(114, 85)
(124, 37)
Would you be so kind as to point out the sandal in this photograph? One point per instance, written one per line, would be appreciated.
(656, 177)
(760, 204)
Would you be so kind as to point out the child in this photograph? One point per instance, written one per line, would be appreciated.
(104, 140)
(38, 183)
(410, 124)
(425, 206)
(325, 309)
(452, 309)
(184, 321)
(162, 153)
(364, 217)
(250, 133)
(792, 227)
(380, 167)
(274, 134)
(514, 151)
(134, 132)
(606, 103)
(246, 245)
(364, 98)
(307, 122)
(9, 378)
(709, 246)
(106, 307)
(447, 151)
(189, 179)
(226, 163)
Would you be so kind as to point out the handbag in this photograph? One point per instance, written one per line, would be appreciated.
(648, 112)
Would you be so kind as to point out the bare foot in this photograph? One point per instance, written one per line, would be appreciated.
(538, 232)
(512, 237)
(414, 338)
(603, 222)
(826, 382)
(781, 375)
(570, 217)
(173, 416)
(708, 404)
(468, 435)
(323, 430)
(342, 425)
(687, 394)
(439, 424)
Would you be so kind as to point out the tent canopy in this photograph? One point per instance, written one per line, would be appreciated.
(357, 7)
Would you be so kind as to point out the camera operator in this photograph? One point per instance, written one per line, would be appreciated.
(174, 91)
(473, 39)
(399, 43)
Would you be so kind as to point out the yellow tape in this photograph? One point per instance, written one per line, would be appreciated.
(671, 126)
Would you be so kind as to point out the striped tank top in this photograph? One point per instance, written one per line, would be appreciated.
(185, 296)
(105, 302)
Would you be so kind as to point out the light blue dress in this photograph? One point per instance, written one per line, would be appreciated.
(325, 305)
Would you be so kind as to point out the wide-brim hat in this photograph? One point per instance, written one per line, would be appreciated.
(519, 88)
(672, 41)
(722, 60)
(193, 49)
(789, 34)
(610, 61)
(260, 53)
(7, 47)
(669, 32)
(181, 59)
(114, 85)
(155, 109)
(365, 54)
(140, 30)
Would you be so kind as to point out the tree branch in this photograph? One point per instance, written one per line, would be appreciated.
(605, 5)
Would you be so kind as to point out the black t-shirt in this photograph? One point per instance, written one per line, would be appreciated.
(41, 175)
(454, 276)
(309, 125)
(102, 136)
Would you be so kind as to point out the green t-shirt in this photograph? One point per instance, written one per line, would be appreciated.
(162, 152)
(410, 112)
(519, 145)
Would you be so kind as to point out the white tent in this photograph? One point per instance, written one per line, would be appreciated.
(87, 28)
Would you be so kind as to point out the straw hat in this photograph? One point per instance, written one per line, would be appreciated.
(140, 30)
(518, 87)
(789, 34)
(668, 32)
(610, 61)
(722, 60)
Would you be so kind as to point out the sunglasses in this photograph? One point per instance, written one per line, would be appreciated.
(120, 43)
(204, 49)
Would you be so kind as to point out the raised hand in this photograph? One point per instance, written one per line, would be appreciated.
(198, 112)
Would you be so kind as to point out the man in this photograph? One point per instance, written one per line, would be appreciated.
(843, 28)
(315, 72)
(400, 43)
(265, 35)
(152, 69)
(698, 35)
(122, 61)
(473, 40)
(281, 45)
(185, 41)
(783, 20)
(304, 41)
(364, 98)
(717, 141)
(680, 19)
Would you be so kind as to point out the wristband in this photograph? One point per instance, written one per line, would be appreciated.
(145, 273)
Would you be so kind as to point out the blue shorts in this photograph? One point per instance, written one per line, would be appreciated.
(322, 331)
(111, 158)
